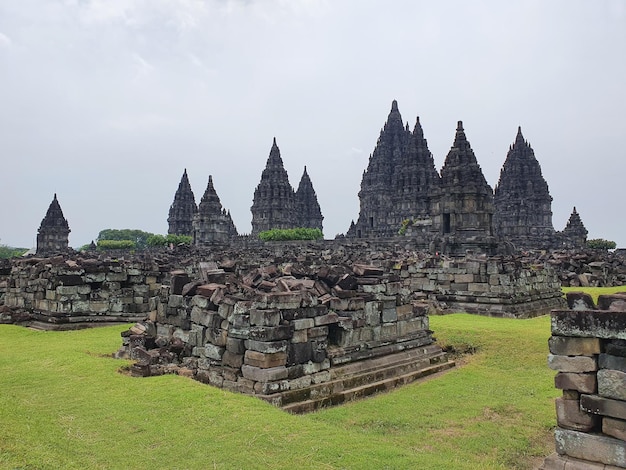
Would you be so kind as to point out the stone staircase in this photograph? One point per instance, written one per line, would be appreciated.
(363, 378)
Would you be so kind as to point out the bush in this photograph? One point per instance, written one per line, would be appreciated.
(165, 240)
(601, 244)
(116, 245)
(138, 237)
(11, 252)
(285, 234)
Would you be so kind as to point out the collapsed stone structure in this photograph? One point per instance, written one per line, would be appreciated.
(277, 205)
(53, 233)
(588, 350)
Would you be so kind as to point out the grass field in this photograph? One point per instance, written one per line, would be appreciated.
(64, 404)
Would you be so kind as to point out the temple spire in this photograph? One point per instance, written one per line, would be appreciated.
(183, 208)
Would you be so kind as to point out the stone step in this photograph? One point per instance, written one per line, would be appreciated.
(364, 378)
(366, 389)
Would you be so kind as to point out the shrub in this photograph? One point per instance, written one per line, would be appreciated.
(165, 240)
(116, 245)
(601, 244)
(284, 234)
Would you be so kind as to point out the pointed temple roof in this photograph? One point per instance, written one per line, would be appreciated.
(54, 216)
(210, 202)
(183, 208)
(274, 198)
(461, 166)
(308, 211)
(521, 177)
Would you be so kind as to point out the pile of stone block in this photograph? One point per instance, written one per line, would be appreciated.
(588, 349)
(287, 334)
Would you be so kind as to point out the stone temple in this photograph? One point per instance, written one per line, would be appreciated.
(522, 199)
(53, 233)
(277, 205)
(183, 209)
(456, 211)
(212, 223)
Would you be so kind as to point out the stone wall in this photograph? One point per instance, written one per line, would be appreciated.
(66, 292)
(588, 350)
(90, 288)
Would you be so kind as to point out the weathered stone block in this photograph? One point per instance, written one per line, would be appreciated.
(614, 427)
(612, 384)
(607, 361)
(265, 360)
(214, 352)
(303, 323)
(568, 346)
(583, 383)
(260, 317)
(235, 345)
(300, 336)
(570, 416)
(603, 406)
(232, 360)
(270, 333)
(299, 353)
(264, 375)
(580, 301)
(389, 315)
(589, 323)
(594, 447)
(327, 319)
(572, 363)
(267, 347)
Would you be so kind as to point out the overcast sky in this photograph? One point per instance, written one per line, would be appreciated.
(106, 102)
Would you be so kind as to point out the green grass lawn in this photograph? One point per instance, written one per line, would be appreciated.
(64, 404)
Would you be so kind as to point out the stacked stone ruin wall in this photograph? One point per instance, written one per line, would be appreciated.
(588, 351)
(102, 288)
(64, 291)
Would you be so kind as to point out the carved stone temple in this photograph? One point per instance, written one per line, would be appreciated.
(183, 209)
(53, 233)
(277, 205)
(212, 223)
(456, 211)
(523, 203)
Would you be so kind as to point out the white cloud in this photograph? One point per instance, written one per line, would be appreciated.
(5, 41)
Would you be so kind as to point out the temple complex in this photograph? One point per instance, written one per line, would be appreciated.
(212, 223)
(523, 203)
(456, 210)
(53, 233)
(183, 209)
(277, 205)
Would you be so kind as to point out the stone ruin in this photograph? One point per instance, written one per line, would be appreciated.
(296, 336)
(588, 351)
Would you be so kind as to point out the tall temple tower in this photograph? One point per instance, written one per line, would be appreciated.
(274, 204)
(522, 199)
(466, 201)
(53, 233)
(376, 195)
(308, 211)
(414, 182)
(183, 209)
(212, 223)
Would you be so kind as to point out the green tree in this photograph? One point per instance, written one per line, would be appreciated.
(138, 237)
